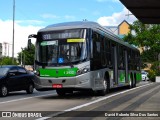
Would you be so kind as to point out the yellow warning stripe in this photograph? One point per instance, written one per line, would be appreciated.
(75, 40)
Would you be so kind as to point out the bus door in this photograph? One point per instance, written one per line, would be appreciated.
(126, 66)
(115, 64)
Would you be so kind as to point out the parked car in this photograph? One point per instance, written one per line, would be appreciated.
(15, 78)
(144, 75)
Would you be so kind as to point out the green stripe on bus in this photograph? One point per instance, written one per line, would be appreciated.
(138, 77)
(122, 77)
(65, 72)
(129, 77)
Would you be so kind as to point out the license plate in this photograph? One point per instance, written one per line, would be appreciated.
(57, 86)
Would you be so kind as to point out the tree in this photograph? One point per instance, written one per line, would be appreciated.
(7, 61)
(147, 37)
(27, 55)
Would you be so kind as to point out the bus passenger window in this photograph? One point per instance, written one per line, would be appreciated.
(121, 57)
(96, 50)
(108, 52)
(103, 52)
(96, 44)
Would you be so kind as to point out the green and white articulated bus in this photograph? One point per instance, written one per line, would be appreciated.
(77, 56)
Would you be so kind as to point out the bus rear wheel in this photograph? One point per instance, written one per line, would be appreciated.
(60, 92)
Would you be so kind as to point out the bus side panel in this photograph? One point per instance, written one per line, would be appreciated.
(98, 76)
(121, 78)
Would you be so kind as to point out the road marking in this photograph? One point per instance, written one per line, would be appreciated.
(77, 107)
(26, 98)
(103, 98)
(95, 101)
(43, 118)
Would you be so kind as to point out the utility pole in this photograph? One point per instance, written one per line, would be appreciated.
(24, 61)
(129, 14)
(13, 32)
(0, 50)
(21, 56)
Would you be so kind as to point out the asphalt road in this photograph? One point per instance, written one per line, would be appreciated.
(141, 98)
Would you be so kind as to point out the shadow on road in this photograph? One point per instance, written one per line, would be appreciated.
(83, 94)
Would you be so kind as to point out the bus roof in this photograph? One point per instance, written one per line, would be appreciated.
(70, 25)
(85, 24)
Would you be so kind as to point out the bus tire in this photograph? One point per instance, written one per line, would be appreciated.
(106, 84)
(103, 91)
(131, 81)
(60, 92)
(130, 84)
(135, 81)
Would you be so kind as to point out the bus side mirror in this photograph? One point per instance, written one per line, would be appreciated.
(29, 44)
(29, 40)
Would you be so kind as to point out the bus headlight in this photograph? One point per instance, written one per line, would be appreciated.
(82, 71)
(85, 70)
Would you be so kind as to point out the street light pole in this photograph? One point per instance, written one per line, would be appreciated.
(13, 32)
(24, 61)
(22, 58)
(21, 55)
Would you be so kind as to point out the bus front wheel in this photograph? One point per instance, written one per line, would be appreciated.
(106, 88)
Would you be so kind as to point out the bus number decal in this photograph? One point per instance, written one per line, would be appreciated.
(69, 72)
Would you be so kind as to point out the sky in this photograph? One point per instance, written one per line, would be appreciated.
(32, 15)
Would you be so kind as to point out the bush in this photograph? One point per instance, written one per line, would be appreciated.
(155, 71)
(152, 75)
(7, 61)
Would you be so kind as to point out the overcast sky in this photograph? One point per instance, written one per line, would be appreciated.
(32, 15)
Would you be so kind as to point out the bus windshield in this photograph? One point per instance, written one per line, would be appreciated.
(61, 47)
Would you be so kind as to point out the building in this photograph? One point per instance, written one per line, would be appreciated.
(0, 50)
(123, 28)
(120, 30)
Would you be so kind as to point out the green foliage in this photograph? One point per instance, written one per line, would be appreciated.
(141, 34)
(155, 71)
(7, 61)
(27, 55)
(147, 36)
(152, 75)
(149, 56)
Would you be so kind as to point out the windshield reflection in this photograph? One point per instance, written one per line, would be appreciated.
(61, 51)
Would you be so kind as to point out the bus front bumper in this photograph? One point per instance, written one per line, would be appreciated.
(78, 82)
